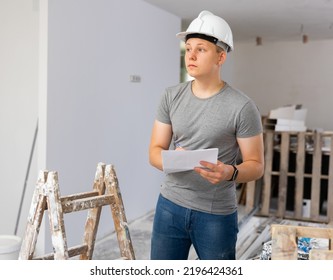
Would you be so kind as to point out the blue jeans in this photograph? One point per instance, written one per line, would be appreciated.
(176, 228)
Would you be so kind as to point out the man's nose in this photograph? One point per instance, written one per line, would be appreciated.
(192, 55)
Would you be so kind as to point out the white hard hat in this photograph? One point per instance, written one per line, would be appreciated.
(212, 26)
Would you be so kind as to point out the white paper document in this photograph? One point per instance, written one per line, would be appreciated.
(177, 161)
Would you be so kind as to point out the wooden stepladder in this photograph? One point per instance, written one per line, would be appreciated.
(47, 197)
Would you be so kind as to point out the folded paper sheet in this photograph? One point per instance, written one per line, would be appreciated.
(184, 160)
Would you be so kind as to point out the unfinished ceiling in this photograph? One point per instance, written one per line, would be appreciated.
(271, 20)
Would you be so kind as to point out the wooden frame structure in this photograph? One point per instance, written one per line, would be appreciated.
(300, 149)
(47, 197)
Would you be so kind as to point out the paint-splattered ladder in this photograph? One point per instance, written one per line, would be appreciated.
(47, 197)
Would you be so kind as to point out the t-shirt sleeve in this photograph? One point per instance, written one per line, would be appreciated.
(249, 121)
(163, 109)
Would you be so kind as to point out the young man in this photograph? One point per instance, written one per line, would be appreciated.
(199, 207)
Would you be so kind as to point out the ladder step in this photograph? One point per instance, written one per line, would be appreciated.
(87, 203)
(72, 197)
(72, 252)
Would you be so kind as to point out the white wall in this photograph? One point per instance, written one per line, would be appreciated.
(88, 110)
(94, 113)
(18, 106)
(281, 73)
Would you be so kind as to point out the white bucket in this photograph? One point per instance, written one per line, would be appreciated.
(10, 246)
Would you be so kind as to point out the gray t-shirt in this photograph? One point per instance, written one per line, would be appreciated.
(213, 122)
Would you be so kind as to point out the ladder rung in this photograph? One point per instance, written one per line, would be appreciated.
(72, 197)
(78, 196)
(87, 203)
(72, 252)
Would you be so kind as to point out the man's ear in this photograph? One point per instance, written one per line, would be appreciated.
(222, 57)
